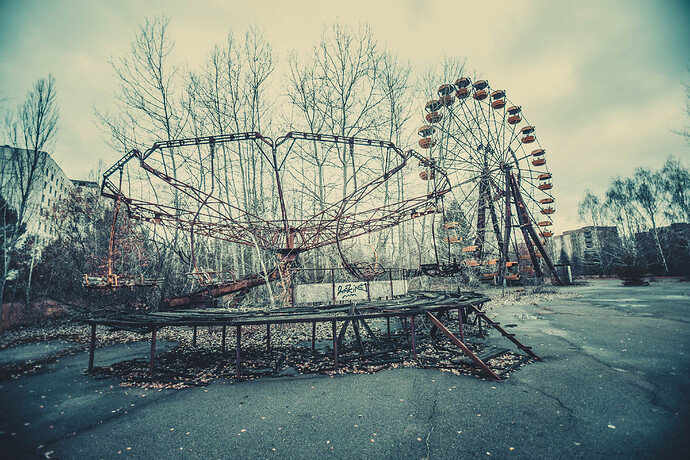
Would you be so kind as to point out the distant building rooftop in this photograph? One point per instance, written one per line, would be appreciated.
(85, 183)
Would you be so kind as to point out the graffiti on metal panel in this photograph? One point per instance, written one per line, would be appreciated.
(350, 290)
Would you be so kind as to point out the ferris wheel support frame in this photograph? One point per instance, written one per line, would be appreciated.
(528, 232)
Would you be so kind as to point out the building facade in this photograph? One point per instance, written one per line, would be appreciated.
(591, 250)
(39, 178)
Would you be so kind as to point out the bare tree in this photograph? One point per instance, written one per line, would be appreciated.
(676, 184)
(32, 132)
(396, 113)
(148, 108)
(232, 91)
(637, 205)
(148, 98)
(347, 66)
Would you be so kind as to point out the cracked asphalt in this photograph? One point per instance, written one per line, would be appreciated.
(614, 384)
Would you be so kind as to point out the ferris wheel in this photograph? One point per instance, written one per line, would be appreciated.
(498, 215)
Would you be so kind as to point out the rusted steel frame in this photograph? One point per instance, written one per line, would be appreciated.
(508, 224)
(281, 199)
(370, 332)
(336, 210)
(494, 221)
(481, 216)
(335, 345)
(427, 163)
(352, 228)
(111, 240)
(278, 320)
(505, 333)
(194, 141)
(461, 327)
(414, 337)
(198, 195)
(462, 346)
(134, 153)
(346, 324)
(299, 135)
(238, 333)
(523, 219)
(197, 323)
(92, 348)
(153, 351)
(358, 337)
(535, 238)
(227, 229)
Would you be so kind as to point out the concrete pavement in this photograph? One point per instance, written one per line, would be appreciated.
(614, 383)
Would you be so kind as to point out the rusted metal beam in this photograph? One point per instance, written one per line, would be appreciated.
(505, 333)
(202, 295)
(462, 346)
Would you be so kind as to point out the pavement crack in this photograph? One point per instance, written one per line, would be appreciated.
(557, 399)
(430, 421)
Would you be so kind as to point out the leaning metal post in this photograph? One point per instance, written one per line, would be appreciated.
(92, 349)
(153, 351)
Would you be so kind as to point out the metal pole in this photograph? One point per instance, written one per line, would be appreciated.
(333, 282)
(414, 344)
(194, 337)
(335, 346)
(92, 350)
(268, 337)
(313, 335)
(153, 352)
(222, 346)
(388, 327)
(237, 351)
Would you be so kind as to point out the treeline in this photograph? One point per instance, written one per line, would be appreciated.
(650, 211)
(348, 84)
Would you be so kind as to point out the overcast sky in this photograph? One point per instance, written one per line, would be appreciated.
(601, 80)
